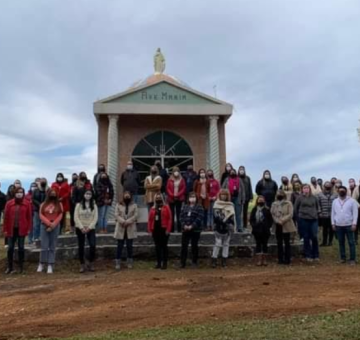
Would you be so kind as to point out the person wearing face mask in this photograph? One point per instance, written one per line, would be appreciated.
(344, 216)
(224, 227)
(326, 199)
(190, 177)
(283, 225)
(261, 222)
(307, 210)
(315, 187)
(159, 226)
(176, 192)
(202, 191)
(237, 192)
(226, 173)
(130, 180)
(38, 198)
(64, 192)
(320, 183)
(126, 215)
(191, 220)
(74, 179)
(267, 187)
(246, 183)
(287, 187)
(51, 213)
(213, 194)
(353, 190)
(81, 185)
(86, 217)
(295, 178)
(2, 202)
(152, 185)
(104, 195)
(17, 225)
(101, 170)
(164, 176)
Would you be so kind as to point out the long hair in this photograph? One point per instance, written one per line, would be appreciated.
(224, 192)
(91, 202)
(48, 201)
(192, 194)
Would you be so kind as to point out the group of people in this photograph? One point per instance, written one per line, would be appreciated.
(189, 203)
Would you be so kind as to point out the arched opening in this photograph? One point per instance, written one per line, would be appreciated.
(171, 149)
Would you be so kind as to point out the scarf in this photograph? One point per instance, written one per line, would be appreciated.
(226, 207)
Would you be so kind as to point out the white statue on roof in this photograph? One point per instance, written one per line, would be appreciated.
(159, 62)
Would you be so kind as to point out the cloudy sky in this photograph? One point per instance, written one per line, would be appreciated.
(290, 68)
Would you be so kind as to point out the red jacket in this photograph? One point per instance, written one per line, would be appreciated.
(25, 218)
(214, 188)
(170, 190)
(166, 219)
(64, 191)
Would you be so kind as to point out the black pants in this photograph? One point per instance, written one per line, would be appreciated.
(62, 224)
(283, 244)
(72, 214)
(194, 237)
(161, 247)
(357, 230)
(81, 242)
(261, 240)
(129, 247)
(328, 232)
(21, 248)
(176, 210)
(245, 214)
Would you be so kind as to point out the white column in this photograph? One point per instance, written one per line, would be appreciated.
(214, 147)
(112, 157)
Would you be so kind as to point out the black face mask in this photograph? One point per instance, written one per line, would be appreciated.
(342, 193)
(232, 175)
(210, 175)
(74, 179)
(101, 169)
(261, 204)
(285, 181)
(328, 188)
(159, 202)
(127, 200)
(280, 197)
(52, 197)
(83, 178)
(43, 185)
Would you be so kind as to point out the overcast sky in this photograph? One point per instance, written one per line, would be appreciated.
(291, 69)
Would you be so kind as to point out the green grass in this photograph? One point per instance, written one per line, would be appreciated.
(335, 326)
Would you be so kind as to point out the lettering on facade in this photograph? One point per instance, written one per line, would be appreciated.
(164, 96)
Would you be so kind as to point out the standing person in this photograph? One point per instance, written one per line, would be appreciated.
(226, 173)
(153, 184)
(74, 179)
(337, 185)
(126, 215)
(28, 196)
(320, 183)
(246, 183)
(282, 214)
(326, 199)
(38, 198)
(344, 215)
(164, 176)
(213, 194)
(190, 176)
(51, 213)
(17, 225)
(261, 222)
(86, 217)
(64, 192)
(159, 225)
(237, 192)
(202, 191)
(104, 194)
(101, 170)
(191, 220)
(2, 203)
(176, 191)
(314, 186)
(295, 178)
(307, 210)
(79, 188)
(130, 181)
(267, 187)
(9, 196)
(353, 190)
(224, 219)
(287, 187)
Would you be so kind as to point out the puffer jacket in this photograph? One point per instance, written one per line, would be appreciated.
(325, 201)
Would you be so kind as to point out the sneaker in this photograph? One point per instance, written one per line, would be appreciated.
(40, 268)
(91, 267)
(117, 264)
(316, 259)
(352, 263)
(309, 260)
(50, 269)
(82, 269)
(130, 263)
(342, 261)
(9, 271)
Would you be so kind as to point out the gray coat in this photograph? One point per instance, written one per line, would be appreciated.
(121, 217)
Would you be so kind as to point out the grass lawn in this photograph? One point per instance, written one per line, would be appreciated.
(335, 326)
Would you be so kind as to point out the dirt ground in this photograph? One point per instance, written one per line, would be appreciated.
(67, 303)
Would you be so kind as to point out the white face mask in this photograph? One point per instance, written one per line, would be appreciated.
(267, 176)
(192, 200)
(33, 189)
(176, 173)
(88, 197)
(202, 175)
(242, 172)
(59, 179)
(19, 195)
(228, 168)
(129, 167)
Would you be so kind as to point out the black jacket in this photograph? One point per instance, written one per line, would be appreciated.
(246, 181)
(2, 201)
(130, 181)
(268, 189)
(38, 198)
(264, 226)
(192, 216)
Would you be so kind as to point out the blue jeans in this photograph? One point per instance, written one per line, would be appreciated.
(343, 232)
(102, 219)
(238, 214)
(48, 244)
(210, 217)
(309, 229)
(35, 231)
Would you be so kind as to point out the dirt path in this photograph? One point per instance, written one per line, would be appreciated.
(68, 304)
